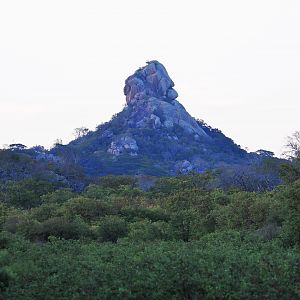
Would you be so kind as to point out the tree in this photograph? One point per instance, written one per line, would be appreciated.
(293, 146)
(87, 208)
(80, 132)
(26, 194)
(265, 153)
(290, 172)
(57, 142)
(60, 227)
(17, 147)
(112, 228)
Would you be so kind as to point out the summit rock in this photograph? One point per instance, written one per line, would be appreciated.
(151, 95)
(152, 80)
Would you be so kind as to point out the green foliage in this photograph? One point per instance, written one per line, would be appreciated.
(111, 228)
(290, 196)
(26, 193)
(152, 214)
(99, 192)
(290, 172)
(87, 208)
(46, 211)
(179, 240)
(186, 224)
(169, 185)
(6, 211)
(146, 230)
(218, 266)
(115, 182)
(58, 196)
(244, 210)
(59, 227)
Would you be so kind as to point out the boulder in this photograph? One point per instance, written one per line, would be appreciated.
(151, 97)
(183, 167)
(123, 144)
(150, 81)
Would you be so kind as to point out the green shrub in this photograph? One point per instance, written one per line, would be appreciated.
(153, 214)
(26, 194)
(111, 228)
(87, 208)
(146, 230)
(116, 182)
(58, 196)
(58, 227)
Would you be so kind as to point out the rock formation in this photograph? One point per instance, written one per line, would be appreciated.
(152, 135)
(151, 96)
(123, 143)
(150, 81)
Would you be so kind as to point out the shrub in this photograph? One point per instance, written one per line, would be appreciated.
(111, 228)
(58, 227)
(116, 182)
(87, 208)
(146, 230)
(26, 194)
(58, 196)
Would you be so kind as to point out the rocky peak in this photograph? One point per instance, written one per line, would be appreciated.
(150, 94)
(149, 81)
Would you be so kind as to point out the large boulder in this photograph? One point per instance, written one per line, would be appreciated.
(151, 97)
(150, 81)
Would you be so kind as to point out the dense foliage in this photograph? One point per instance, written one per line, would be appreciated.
(180, 239)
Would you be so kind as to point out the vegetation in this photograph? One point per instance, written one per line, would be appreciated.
(226, 234)
(180, 239)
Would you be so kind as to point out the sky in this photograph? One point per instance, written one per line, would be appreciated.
(235, 64)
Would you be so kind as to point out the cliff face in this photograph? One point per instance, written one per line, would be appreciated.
(154, 134)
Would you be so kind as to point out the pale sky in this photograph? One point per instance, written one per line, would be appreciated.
(235, 64)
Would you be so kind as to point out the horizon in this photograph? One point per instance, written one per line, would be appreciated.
(234, 65)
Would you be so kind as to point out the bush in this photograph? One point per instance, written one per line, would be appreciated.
(58, 196)
(152, 214)
(116, 182)
(289, 197)
(5, 278)
(150, 231)
(45, 211)
(219, 266)
(58, 227)
(244, 210)
(87, 208)
(187, 225)
(111, 228)
(26, 194)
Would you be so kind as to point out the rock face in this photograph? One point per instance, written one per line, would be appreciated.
(150, 81)
(151, 97)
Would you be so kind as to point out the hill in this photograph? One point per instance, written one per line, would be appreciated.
(153, 134)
